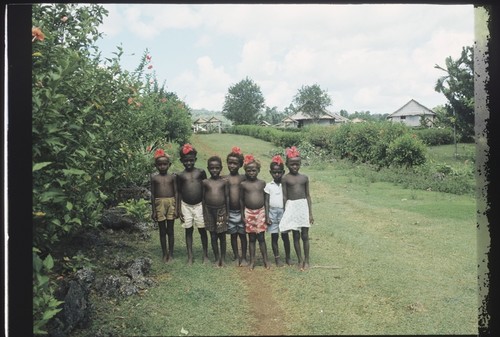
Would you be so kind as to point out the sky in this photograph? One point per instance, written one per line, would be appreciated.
(368, 57)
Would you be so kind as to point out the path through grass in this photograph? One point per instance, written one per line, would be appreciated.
(386, 260)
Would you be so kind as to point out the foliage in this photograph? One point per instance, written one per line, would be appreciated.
(138, 209)
(272, 116)
(312, 100)
(45, 306)
(435, 136)
(93, 124)
(406, 150)
(76, 262)
(243, 102)
(458, 88)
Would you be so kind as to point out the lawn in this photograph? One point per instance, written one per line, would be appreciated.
(385, 260)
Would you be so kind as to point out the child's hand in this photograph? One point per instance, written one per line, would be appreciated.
(311, 219)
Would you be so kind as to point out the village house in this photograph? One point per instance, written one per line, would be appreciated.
(412, 114)
(300, 119)
(213, 124)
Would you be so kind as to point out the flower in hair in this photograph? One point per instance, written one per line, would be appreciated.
(292, 152)
(235, 150)
(248, 159)
(160, 153)
(277, 159)
(186, 148)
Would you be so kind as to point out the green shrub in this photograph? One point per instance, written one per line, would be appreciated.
(139, 209)
(45, 306)
(406, 150)
(435, 136)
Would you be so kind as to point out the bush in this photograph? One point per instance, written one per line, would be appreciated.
(435, 136)
(406, 150)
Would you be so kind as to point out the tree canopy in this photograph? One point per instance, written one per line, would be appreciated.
(458, 88)
(243, 102)
(312, 100)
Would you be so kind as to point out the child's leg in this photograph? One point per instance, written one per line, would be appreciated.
(252, 237)
(189, 244)
(170, 234)
(305, 241)
(286, 245)
(274, 245)
(204, 243)
(234, 246)
(263, 248)
(296, 245)
(215, 248)
(163, 240)
(222, 242)
(244, 244)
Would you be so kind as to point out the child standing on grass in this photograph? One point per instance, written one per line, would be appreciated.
(215, 205)
(274, 209)
(189, 197)
(163, 199)
(236, 227)
(253, 209)
(298, 215)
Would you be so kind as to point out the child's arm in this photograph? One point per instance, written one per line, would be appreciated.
(176, 212)
(309, 202)
(283, 188)
(178, 201)
(242, 203)
(266, 206)
(153, 192)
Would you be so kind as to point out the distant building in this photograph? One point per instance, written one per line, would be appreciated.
(300, 119)
(264, 123)
(213, 124)
(412, 113)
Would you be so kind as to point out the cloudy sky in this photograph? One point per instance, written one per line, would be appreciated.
(373, 57)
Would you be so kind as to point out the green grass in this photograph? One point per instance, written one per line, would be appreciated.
(402, 261)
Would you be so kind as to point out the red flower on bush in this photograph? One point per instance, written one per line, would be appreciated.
(148, 57)
(37, 34)
(150, 66)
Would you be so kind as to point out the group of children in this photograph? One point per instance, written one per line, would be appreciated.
(236, 204)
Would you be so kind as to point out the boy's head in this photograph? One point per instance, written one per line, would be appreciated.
(214, 165)
(187, 150)
(292, 153)
(162, 160)
(277, 168)
(251, 167)
(235, 156)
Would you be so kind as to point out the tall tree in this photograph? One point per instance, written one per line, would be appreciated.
(243, 103)
(312, 100)
(458, 88)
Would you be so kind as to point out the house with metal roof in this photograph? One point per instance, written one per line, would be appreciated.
(412, 114)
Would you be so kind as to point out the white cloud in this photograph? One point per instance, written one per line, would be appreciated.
(369, 57)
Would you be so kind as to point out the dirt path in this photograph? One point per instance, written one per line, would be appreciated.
(265, 311)
(267, 316)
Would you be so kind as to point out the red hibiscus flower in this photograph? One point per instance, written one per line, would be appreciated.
(186, 148)
(292, 152)
(160, 153)
(277, 159)
(235, 150)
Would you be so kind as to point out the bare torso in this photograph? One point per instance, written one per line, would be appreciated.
(163, 185)
(234, 190)
(252, 193)
(296, 186)
(189, 185)
(214, 192)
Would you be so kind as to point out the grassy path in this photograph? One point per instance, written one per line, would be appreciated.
(406, 265)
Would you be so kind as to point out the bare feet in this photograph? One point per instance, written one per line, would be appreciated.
(278, 262)
(289, 262)
(205, 259)
(266, 265)
(251, 266)
(190, 261)
(243, 262)
(165, 258)
(305, 266)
